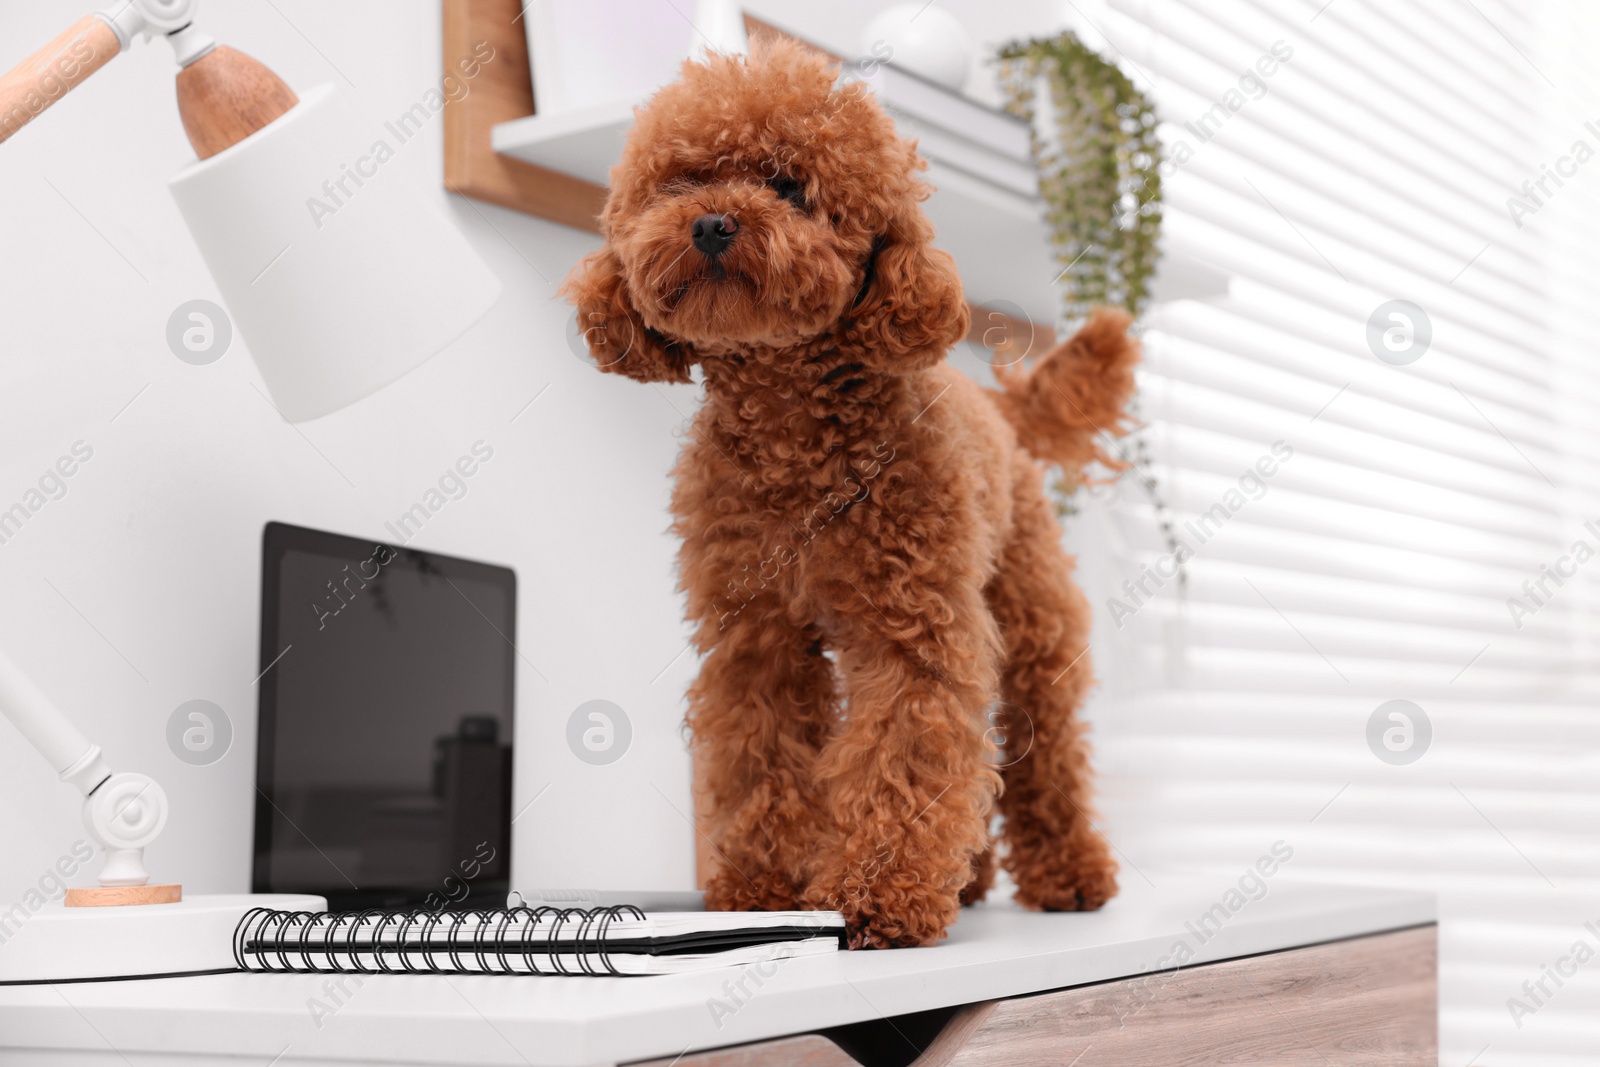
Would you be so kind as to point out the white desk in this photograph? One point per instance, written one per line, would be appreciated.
(995, 952)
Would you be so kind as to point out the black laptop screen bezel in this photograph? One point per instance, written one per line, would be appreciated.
(278, 539)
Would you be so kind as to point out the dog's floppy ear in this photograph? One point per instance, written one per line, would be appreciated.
(618, 339)
(910, 310)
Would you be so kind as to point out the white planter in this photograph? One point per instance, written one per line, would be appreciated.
(586, 54)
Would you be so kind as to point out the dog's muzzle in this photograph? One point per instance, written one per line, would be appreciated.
(713, 234)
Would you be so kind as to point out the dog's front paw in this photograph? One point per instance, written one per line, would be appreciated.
(879, 916)
(1088, 896)
(1084, 884)
(898, 923)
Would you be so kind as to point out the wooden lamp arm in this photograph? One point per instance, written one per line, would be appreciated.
(51, 72)
(223, 96)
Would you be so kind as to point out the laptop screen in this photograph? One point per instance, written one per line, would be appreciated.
(385, 724)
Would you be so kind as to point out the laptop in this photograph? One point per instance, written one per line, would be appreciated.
(385, 724)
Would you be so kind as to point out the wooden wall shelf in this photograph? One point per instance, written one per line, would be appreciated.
(502, 91)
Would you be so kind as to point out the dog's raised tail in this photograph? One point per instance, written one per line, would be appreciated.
(1067, 403)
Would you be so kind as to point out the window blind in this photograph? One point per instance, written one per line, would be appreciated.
(1357, 529)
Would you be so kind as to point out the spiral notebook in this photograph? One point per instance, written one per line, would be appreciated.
(621, 940)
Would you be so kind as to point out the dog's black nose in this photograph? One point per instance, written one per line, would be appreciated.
(713, 233)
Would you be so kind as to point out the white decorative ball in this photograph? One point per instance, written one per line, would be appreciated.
(925, 40)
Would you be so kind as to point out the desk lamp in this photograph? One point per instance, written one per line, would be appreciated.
(333, 303)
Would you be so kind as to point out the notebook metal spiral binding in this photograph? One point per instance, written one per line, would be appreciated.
(266, 940)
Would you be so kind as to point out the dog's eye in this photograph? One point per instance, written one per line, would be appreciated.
(789, 189)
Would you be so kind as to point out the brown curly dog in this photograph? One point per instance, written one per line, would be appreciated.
(874, 569)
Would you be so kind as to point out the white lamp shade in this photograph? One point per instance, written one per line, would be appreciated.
(339, 275)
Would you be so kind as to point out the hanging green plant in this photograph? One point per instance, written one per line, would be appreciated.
(1099, 175)
(1100, 179)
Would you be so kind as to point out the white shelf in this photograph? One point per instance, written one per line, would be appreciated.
(583, 143)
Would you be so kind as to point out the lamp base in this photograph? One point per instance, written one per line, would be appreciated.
(116, 896)
(56, 943)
